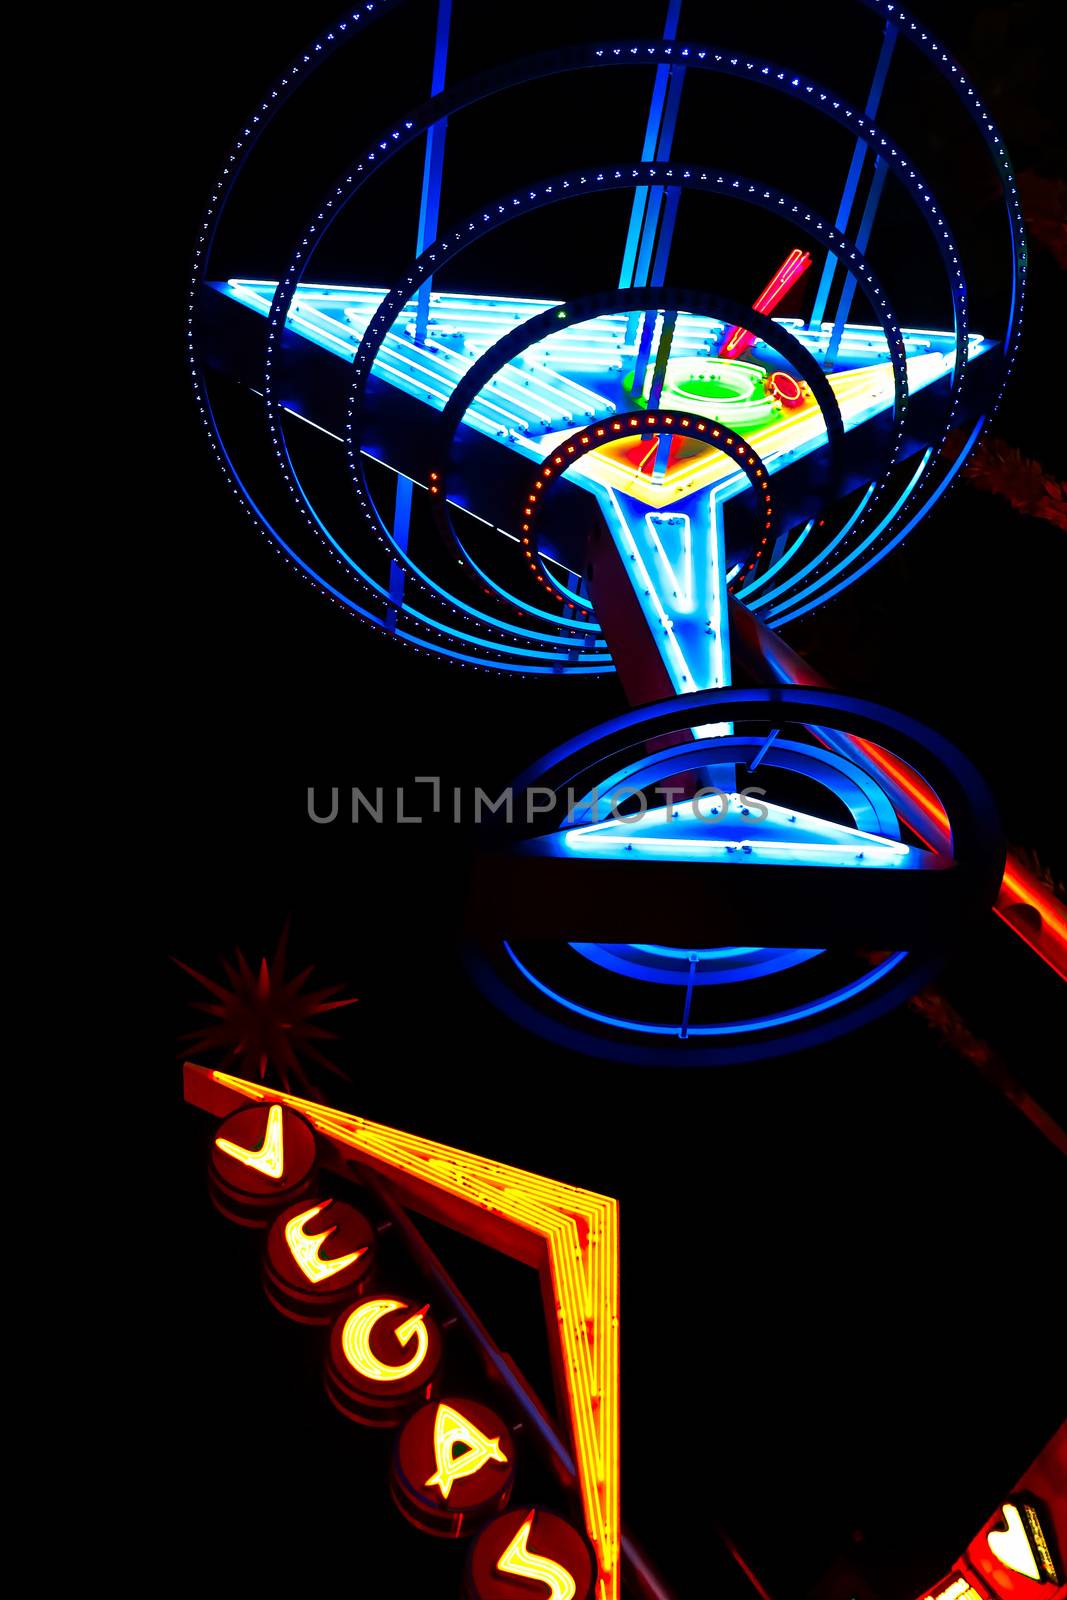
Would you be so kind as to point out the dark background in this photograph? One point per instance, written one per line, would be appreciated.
(864, 1242)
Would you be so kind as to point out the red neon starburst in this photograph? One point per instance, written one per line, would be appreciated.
(266, 1020)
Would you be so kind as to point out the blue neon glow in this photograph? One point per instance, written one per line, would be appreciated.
(323, 47)
(692, 831)
(679, 967)
(551, 669)
(904, 531)
(842, 533)
(682, 596)
(864, 544)
(777, 1019)
(531, 402)
(746, 590)
(575, 375)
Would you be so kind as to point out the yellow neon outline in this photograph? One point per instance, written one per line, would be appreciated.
(355, 1340)
(520, 1562)
(269, 1159)
(854, 388)
(304, 1247)
(451, 1427)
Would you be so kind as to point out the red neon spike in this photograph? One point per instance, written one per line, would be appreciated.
(793, 267)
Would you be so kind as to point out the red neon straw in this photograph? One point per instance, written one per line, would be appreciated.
(793, 267)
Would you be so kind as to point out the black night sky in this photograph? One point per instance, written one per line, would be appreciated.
(839, 1268)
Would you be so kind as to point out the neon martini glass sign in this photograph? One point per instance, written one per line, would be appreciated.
(663, 498)
(672, 517)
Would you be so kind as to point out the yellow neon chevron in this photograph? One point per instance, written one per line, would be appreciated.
(576, 1235)
(269, 1159)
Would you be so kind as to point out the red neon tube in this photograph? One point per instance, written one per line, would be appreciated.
(793, 267)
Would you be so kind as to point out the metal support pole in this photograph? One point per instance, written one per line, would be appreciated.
(433, 167)
(648, 153)
(848, 196)
(848, 288)
(429, 212)
(663, 355)
(640, 1577)
(401, 533)
(643, 352)
(662, 203)
(647, 203)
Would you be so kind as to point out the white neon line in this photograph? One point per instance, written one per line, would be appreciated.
(685, 598)
(740, 849)
(670, 647)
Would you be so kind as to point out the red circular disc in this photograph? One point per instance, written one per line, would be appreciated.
(382, 1360)
(453, 1467)
(307, 1270)
(518, 1552)
(785, 388)
(263, 1157)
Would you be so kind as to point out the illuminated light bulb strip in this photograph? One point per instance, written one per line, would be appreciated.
(793, 267)
(571, 1234)
(685, 424)
(305, 1248)
(956, 1589)
(861, 393)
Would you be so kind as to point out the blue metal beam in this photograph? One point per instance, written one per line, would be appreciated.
(848, 196)
(433, 166)
(429, 211)
(401, 532)
(848, 288)
(671, 197)
(648, 153)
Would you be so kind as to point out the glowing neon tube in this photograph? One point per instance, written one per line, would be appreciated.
(793, 267)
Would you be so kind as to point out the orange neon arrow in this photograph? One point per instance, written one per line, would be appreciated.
(269, 1159)
(305, 1247)
(571, 1235)
(519, 1562)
